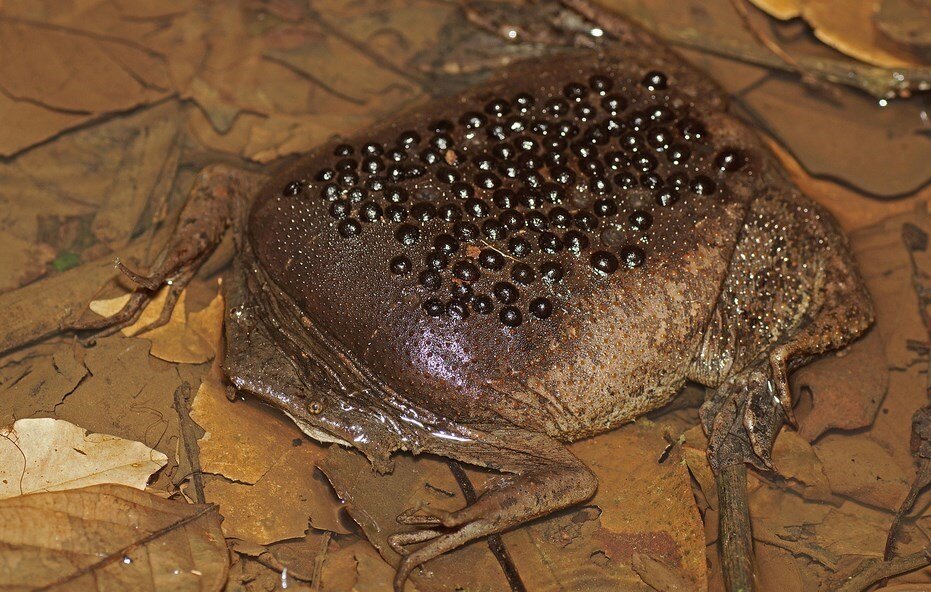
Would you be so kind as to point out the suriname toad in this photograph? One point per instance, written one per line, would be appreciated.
(540, 259)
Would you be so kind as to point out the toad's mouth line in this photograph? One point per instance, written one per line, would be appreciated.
(316, 433)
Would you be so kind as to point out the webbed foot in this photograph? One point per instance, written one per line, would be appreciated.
(743, 416)
(544, 477)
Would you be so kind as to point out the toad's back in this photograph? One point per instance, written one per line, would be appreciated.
(546, 248)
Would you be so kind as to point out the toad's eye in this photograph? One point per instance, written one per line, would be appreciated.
(316, 408)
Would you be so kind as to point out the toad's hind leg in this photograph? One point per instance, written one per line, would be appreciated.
(743, 415)
(215, 201)
(845, 312)
(542, 477)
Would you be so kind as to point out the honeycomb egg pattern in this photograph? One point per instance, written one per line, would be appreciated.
(531, 189)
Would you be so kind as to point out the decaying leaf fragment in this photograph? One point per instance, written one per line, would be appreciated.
(859, 467)
(781, 9)
(266, 484)
(243, 439)
(110, 537)
(62, 77)
(282, 504)
(847, 25)
(185, 339)
(906, 22)
(46, 454)
(847, 387)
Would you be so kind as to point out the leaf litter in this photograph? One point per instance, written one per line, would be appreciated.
(110, 537)
(293, 75)
(46, 454)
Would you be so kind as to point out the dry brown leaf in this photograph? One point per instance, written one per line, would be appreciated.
(906, 22)
(796, 460)
(850, 137)
(647, 507)
(108, 307)
(852, 209)
(27, 124)
(110, 537)
(917, 587)
(37, 383)
(66, 70)
(48, 454)
(847, 25)
(289, 83)
(694, 446)
(281, 502)
(127, 393)
(657, 575)
(821, 531)
(208, 322)
(878, 147)
(777, 569)
(341, 572)
(93, 184)
(848, 387)
(23, 261)
(373, 573)
(859, 468)
(302, 557)
(241, 440)
(781, 9)
(177, 341)
(64, 75)
(282, 135)
(374, 502)
(148, 161)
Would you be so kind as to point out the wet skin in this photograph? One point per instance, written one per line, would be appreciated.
(541, 259)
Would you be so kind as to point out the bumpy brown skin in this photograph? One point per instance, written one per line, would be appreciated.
(736, 285)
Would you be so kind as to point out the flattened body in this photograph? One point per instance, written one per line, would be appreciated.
(544, 251)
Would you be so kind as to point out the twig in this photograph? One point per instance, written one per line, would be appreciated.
(922, 478)
(319, 560)
(873, 570)
(495, 544)
(878, 81)
(188, 437)
(736, 538)
(769, 43)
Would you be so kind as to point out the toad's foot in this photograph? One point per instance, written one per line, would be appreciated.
(742, 418)
(216, 198)
(544, 477)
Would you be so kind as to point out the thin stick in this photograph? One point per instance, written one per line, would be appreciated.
(922, 478)
(769, 43)
(736, 539)
(189, 438)
(873, 570)
(495, 544)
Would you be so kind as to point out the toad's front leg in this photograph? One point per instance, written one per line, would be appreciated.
(218, 198)
(542, 477)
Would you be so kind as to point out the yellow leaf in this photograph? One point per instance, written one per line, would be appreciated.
(241, 440)
(46, 454)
